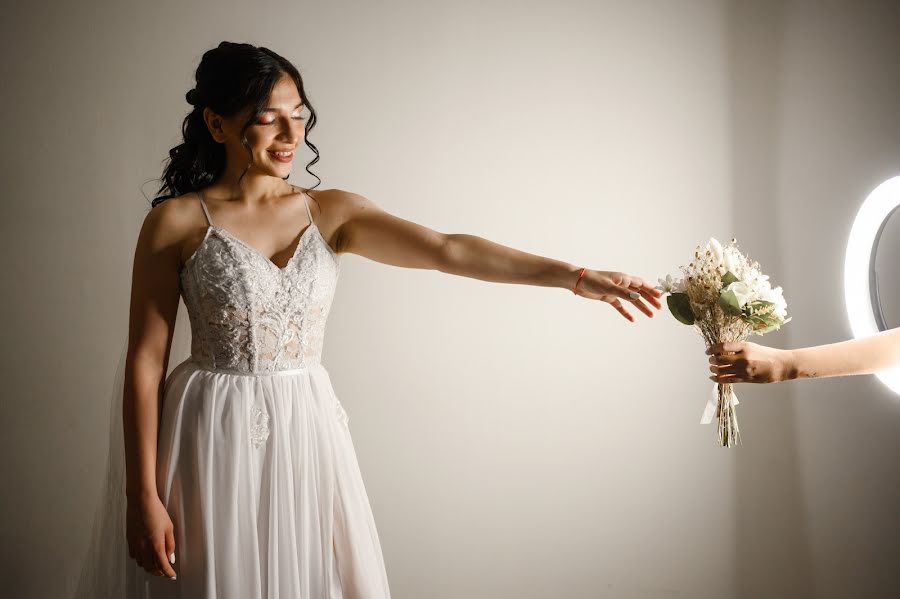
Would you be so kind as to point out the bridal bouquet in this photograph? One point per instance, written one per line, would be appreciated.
(725, 296)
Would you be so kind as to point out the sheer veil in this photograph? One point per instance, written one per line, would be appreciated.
(107, 572)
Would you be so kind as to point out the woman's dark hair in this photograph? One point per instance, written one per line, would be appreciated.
(230, 78)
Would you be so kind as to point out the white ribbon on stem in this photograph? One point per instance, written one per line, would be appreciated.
(709, 412)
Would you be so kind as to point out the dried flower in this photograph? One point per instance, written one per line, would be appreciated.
(726, 297)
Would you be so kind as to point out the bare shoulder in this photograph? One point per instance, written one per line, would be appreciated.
(334, 209)
(171, 222)
(338, 204)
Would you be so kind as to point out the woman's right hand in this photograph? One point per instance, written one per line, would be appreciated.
(150, 535)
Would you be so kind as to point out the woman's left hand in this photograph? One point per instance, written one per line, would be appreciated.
(617, 289)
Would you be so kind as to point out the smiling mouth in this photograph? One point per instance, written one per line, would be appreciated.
(283, 156)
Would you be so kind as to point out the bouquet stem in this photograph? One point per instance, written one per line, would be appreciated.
(726, 417)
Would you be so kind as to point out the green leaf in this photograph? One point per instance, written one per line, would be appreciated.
(728, 278)
(758, 306)
(680, 307)
(768, 329)
(765, 323)
(729, 303)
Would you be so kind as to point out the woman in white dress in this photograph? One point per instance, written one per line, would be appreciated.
(241, 478)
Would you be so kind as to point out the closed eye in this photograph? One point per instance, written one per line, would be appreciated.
(272, 122)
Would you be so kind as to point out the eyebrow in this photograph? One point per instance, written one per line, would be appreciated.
(270, 109)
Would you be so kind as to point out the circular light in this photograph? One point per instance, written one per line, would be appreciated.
(860, 283)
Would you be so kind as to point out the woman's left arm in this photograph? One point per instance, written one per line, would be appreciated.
(369, 231)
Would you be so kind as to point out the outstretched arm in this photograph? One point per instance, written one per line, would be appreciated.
(367, 230)
(752, 363)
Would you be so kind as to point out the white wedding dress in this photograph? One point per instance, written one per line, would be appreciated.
(255, 465)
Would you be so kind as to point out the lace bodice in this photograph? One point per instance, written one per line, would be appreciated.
(250, 316)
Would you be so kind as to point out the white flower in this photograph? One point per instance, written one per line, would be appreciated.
(733, 262)
(776, 297)
(671, 285)
(716, 252)
(759, 285)
(757, 280)
(742, 292)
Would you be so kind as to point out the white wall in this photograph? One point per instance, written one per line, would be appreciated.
(515, 441)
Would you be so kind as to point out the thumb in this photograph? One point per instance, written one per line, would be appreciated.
(715, 348)
(170, 546)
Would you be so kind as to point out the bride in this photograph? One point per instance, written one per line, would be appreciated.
(240, 474)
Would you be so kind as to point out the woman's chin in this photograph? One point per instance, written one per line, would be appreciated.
(282, 171)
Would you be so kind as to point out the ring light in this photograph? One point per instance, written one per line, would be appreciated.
(860, 278)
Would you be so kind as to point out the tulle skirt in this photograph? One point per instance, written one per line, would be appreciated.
(260, 477)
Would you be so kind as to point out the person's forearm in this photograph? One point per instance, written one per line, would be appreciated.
(857, 356)
(479, 258)
(140, 413)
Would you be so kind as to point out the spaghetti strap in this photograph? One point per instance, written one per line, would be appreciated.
(203, 205)
(306, 203)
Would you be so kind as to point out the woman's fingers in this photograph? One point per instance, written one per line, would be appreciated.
(657, 293)
(619, 284)
(651, 295)
(631, 288)
(170, 546)
(646, 291)
(640, 305)
(636, 285)
(152, 557)
(724, 359)
(616, 288)
(643, 291)
(725, 348)
(621, 290)
(148, 560)
(162, 559)
(725, 369)
(636, 291)
(617, 304)
(140, 555)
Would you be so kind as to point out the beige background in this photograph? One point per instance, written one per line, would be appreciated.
(515, 441)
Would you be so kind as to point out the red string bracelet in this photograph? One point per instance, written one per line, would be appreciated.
(583, 270)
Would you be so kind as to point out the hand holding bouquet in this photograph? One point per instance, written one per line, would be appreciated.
(725, 296)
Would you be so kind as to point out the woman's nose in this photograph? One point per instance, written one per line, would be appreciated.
(292, 133)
